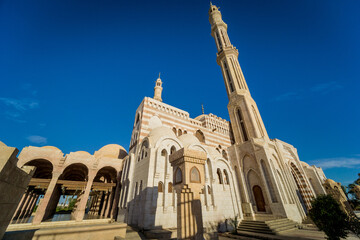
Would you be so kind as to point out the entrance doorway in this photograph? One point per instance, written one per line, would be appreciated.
(259, 198)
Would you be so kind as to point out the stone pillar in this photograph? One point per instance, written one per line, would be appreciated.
(36, 197)
(43, 205)
(20, 206)
(104, 205)
(189, 178)
(109, 204)
(80, 209)
(31, 205)
(13, 183)
(26, 204)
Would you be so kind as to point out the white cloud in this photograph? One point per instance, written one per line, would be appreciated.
(20, 104)
(37, 139)
(339, 162)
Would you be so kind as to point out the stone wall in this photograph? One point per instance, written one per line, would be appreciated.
(13, 183)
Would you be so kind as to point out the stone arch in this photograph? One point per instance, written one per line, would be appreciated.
(44, 168)
(174, 130)
(75, 172)
(304, 190)
(179, 132)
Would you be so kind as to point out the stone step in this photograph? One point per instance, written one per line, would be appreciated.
(255, 231)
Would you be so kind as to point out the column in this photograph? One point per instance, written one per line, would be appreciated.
(31, 205)
(26, 204)
(19, 207)
(109, 204)
(104, 205)
(80, 210)
(41, 210)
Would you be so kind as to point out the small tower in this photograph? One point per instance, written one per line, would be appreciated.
(158, 89)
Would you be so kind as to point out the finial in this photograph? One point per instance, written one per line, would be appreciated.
(210, 3)
(159, 74)
(202, 108)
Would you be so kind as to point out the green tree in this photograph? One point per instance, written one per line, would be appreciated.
(328, 217)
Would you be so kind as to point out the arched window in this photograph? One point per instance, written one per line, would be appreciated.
(242, 125)
(226, 177)
(140, 188)
(163, 153)
(224, 154)
(178, 176)
(227, 72)
(170, 187)
(160, 187)
(185, 132)
(172, 149)
(136, 189)
(209, 189)
(200, 135)
(174, 130)
(219, 176)
(179, 132)
(195, 175)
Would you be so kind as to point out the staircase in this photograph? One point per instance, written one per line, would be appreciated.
(267, 227)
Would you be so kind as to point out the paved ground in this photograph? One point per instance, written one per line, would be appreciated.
(297, 234)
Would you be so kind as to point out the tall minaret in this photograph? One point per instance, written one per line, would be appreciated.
(158, 89)
(244, 114)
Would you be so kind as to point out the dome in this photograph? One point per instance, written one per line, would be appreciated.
(81, 153)
(112, 150)
(188, 139)
(52, 148)
(159, 132)
(330, 182)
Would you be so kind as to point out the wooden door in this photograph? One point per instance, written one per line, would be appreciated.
(259, 198)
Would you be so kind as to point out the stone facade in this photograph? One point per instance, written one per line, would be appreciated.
(13, 184)
(92, 178)
(247, 174)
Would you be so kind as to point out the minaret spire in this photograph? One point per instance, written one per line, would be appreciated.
(158, 89)
(244, 114)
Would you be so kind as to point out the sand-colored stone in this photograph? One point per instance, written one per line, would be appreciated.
(191, 165)
(13, 184)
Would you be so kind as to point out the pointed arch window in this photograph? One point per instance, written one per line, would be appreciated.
(170, 187)
(218, 40)
(172, 149)
(219, 176)
(160, 187)
(194, 175)
(226, 177)
(178, 176)
(242, 125)
(226, 69)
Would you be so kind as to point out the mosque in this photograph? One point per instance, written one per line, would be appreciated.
(247, 174)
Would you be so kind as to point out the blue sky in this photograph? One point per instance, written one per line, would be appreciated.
(72, 73)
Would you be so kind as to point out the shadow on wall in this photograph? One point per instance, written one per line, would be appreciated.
(20, 235)
(140, 213)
